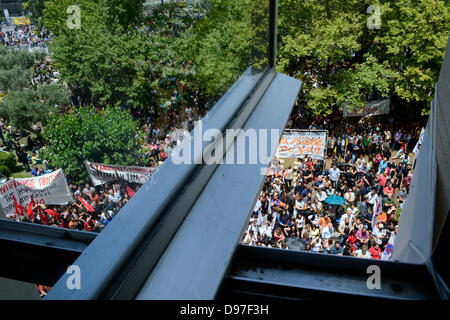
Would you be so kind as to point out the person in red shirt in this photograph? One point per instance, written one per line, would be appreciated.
(388, 190)
(375, 252)
(352, 238)
(407, 181)
(309, 163)
(88, 225)
(382, 179)
(95, 198)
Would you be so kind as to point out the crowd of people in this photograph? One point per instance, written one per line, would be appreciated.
(27, 35)
(92, 209)
(44, 73)
(164, 127)
(368, 165)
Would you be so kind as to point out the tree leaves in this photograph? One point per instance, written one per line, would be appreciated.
(330, 40)
(105, 136)
(24, 108)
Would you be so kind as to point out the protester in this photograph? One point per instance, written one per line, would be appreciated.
(362, 170)
(92, 209)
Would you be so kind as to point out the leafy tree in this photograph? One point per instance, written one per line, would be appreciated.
(85, 134)
(54, 17)
(114, 61)
(15, 68)
(23, 108)
(125, 13)
(350, 62)
(53, 95)
(36, 8)
(413, 38)
(223, 45)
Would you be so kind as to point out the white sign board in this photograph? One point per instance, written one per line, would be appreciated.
(302, 144)
(373, 108)
(104, 173)
(49, 189)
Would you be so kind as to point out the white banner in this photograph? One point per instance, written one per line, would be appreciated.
(302, 144)
(373, 108)
(49, 189)
(104, 173)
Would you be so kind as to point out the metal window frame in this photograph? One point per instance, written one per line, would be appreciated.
(288, 274)
(39, 254)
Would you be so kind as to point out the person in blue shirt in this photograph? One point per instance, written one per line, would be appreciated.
(34, 171)
(282, 220)
(383, 165)
(336, 249)
(107, 219)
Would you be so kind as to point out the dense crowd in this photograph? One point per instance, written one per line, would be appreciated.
(44, 73)
(368, 167)
(27, 35)
(164, 126)
(92, 209)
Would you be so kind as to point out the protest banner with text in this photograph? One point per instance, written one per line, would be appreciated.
(104, 173)
(302, 144)
(48, 189)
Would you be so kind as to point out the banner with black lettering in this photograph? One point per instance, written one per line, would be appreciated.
(372, 108)
(104, 173)
(49, 189)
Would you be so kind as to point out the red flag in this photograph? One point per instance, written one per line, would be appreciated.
(43, 217)
(30, 208)
(18, 207)
(52, 213)
(86, 204)
(130, 192)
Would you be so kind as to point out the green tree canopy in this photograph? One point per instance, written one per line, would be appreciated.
(15, 68)
(111, 55)
(28, 106)
(232, 37)
(85, 134)
(331, 40)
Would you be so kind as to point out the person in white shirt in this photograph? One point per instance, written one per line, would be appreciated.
(288, 176)
(265, 230)
(314, 218)
(253, 226)
(379, 233)
(334, 175)
(300, 221)
(327, 231)
(372, 197)
(316, 206)
(349, 196)
(250, 238)
(348, 215)
(321, 195)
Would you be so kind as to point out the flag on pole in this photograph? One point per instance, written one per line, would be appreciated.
(387, 253)
(42, 216)
(130, 191)
(260, 218)
(30, 208)
(272, 224)
(18, 207)
(52, 213)
(377, 209)
(86, 204)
